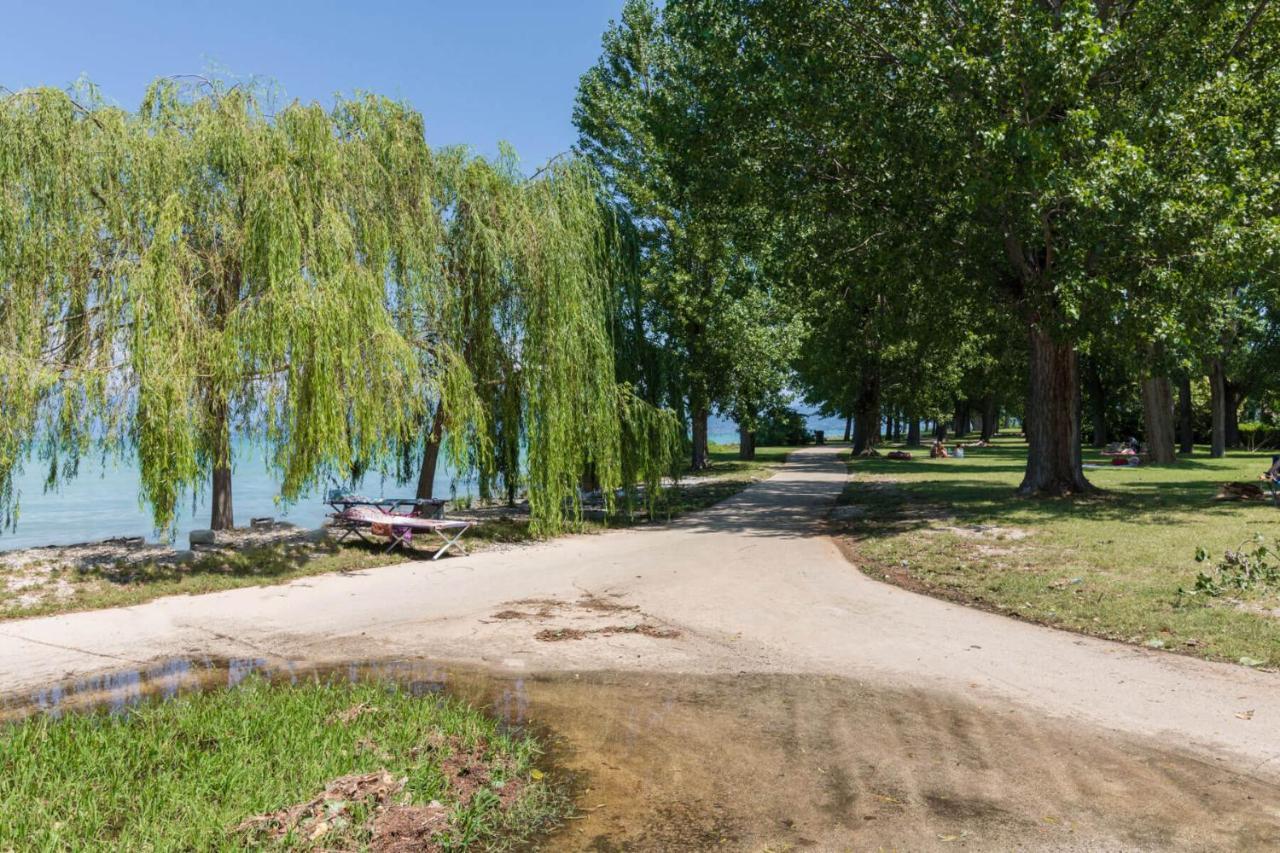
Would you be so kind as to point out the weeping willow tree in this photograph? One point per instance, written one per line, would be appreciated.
(253, 308)
(61, 272)
(507, 289)
(531, 275)
(320, 282)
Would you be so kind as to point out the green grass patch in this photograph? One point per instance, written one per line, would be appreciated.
(1109, 564)
(184, 774)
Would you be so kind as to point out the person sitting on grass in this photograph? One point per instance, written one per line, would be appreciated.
(1273, 473)
(938, 451)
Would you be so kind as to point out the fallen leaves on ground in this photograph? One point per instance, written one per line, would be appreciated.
(396, 825)
(350, 715)
(330, 810)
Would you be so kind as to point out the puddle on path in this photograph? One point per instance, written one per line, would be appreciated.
(774, 762)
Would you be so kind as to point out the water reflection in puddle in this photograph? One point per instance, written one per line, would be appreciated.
(116, 692)
(776, 762)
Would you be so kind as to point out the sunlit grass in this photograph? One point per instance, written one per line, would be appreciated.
(182, 774)
(1109, 564)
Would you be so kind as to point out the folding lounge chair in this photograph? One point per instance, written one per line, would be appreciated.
(364, 520)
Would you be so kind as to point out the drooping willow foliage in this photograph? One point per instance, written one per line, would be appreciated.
(319, 281)
(61, 268)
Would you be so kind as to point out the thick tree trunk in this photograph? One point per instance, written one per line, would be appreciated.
(1186, 438)
(1157, 416)
(866, 414)
(1052, 421)
(431, 455)
(221, 516)
(1233, 398)
(962, 418)
(940, 430)
(913, 431)
(701, 457)
(990, 414)
(1097, 406)
(848, 428)
(1218, 406)
(746, 443)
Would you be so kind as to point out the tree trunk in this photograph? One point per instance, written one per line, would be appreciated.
(848, 428)
(1097, 406)
(990, 414)
(746, 443)
(589, 482)
(962, 418)
(1052, 421)
(1186, 438)
(913, 430)
(1218, 405)
(866, 413)
(221, 516)
(701, 457)
(1157, 416)
(1233, 398)
(940, 430)
(431, 454)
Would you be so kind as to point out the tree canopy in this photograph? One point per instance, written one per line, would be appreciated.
(318, 281)
(1060, 170)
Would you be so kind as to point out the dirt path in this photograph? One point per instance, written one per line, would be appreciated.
(750, 586)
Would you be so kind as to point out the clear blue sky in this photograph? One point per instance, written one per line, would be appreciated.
(480, 71)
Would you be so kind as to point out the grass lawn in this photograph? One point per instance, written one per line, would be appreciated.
(193, 772)
(1109, 565)
(121, 584)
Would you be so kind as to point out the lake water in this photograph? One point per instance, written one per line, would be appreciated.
(103, 501)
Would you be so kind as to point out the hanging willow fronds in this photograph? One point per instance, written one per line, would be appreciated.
(321, 281)
(60, 279)
(535, 267)
(281, 299)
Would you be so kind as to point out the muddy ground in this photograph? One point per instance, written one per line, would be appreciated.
(776, 762)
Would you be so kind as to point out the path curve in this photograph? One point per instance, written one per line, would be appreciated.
(751, 585)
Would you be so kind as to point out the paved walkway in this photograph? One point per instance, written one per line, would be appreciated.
(751, 585)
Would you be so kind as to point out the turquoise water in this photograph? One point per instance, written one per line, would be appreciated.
(725, 431)
(103, 501)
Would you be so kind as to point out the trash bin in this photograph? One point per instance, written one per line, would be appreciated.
(819, 437)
